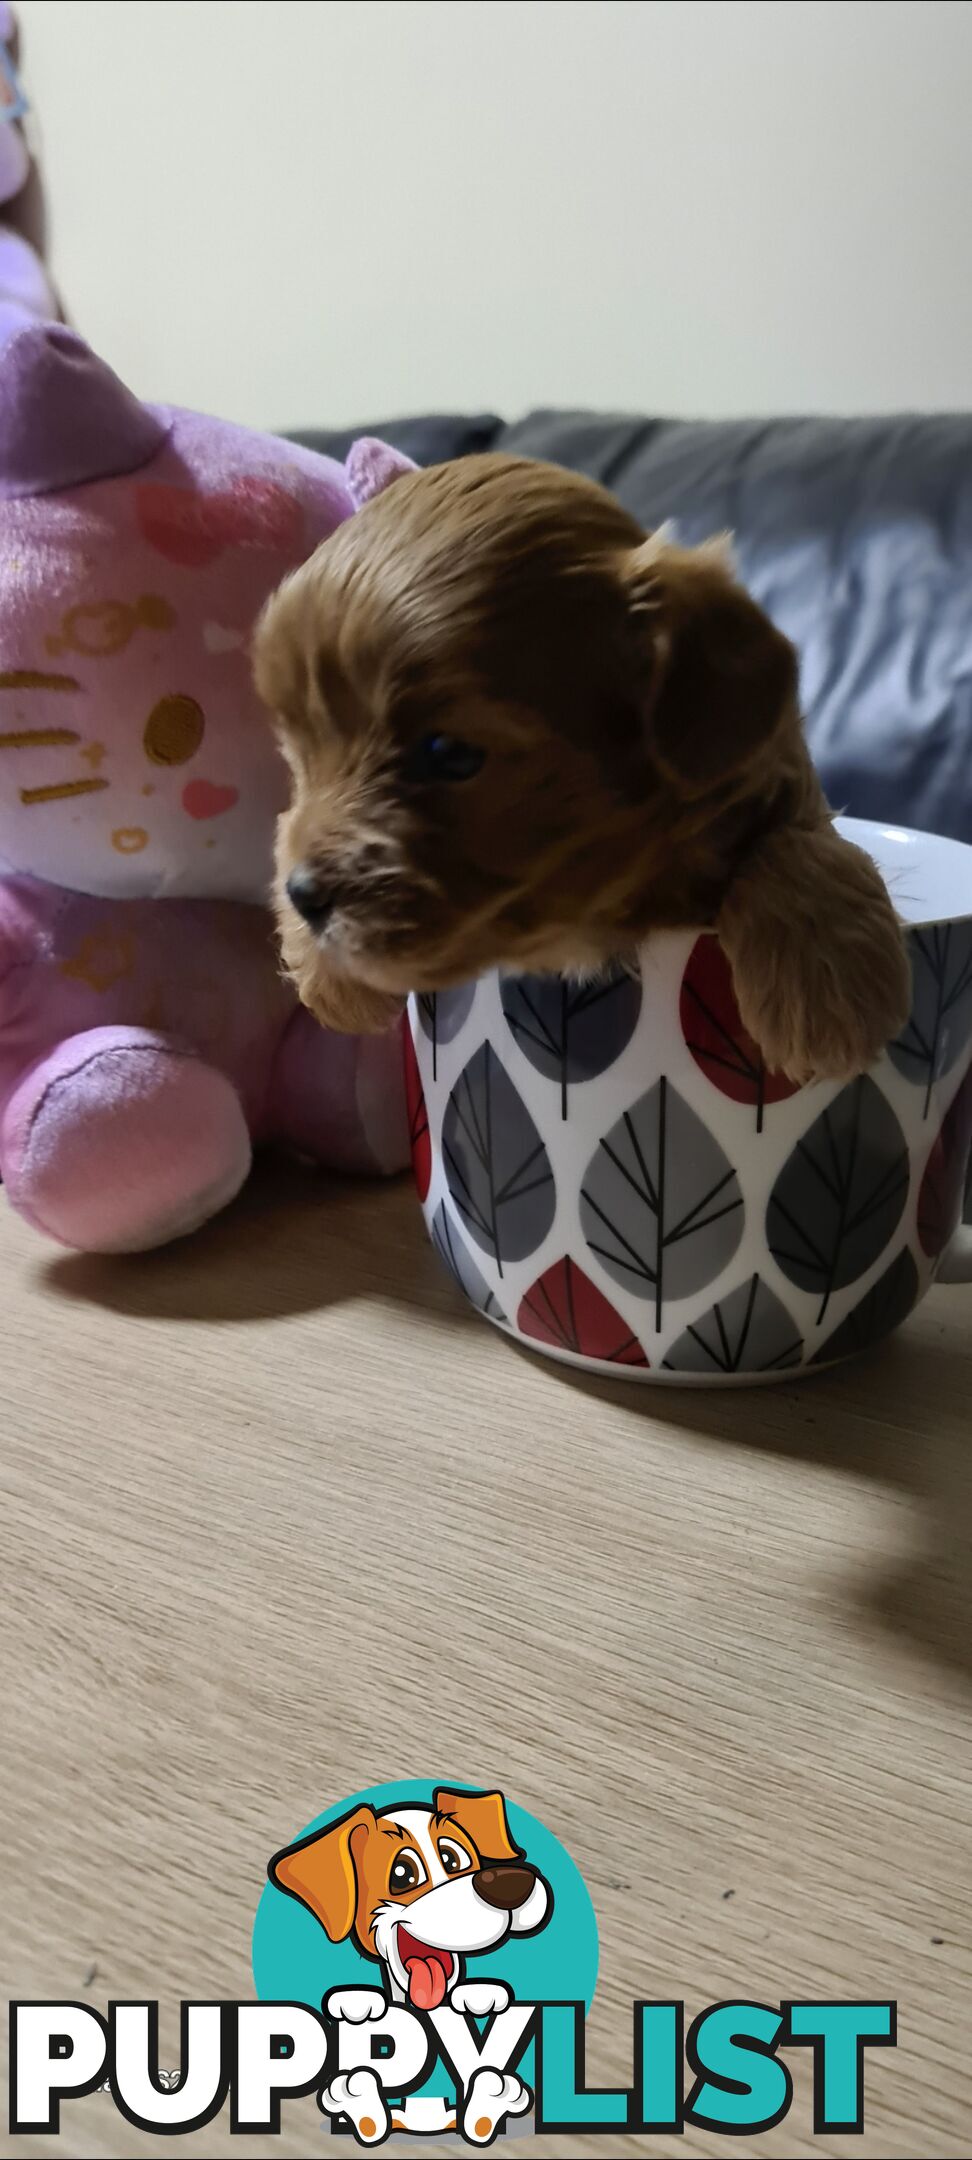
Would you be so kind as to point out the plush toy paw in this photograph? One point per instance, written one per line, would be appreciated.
(120, 1140)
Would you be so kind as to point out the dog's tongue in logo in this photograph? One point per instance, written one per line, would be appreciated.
(429, 1971)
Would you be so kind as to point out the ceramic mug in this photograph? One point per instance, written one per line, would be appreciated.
(613, 1176)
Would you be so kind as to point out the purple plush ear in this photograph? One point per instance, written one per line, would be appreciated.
(371, 466)
(65, 417)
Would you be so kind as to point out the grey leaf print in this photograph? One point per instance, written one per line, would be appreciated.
(497, 1168)
(839, 1197)
(572, 1031)
(749, 1331)
(442, 1013)
(937, 1027)
(660, 1202)
(452, 1248)
(885, 1305)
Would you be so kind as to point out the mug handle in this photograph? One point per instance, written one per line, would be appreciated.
(956, 1261)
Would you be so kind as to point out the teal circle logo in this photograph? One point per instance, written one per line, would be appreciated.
(312, 1934)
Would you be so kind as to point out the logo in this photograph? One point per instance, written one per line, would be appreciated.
(427, 1922)
(424, 1957)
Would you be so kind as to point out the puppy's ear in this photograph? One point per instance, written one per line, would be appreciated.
(319, 1872)
(723, 679)
(371, 466)
(482, 1815)
(276, 658)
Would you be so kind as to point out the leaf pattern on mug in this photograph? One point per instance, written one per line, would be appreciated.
(748, 1331)
(565, 1309)
(442, 1013)
(943, 1185)
(418, 1119)
(937, 1028)
(715, 1034)
(452, 1248)
(497, 1168)
(571, 1031)
(882, 1309)
(660, 1202)
(840, 1195)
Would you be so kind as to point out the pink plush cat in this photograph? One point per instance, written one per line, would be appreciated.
(147, 1040)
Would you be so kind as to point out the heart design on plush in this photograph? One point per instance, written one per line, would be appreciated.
(206, 799)
(192, 530)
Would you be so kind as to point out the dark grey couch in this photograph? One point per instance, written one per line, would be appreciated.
(855, 534)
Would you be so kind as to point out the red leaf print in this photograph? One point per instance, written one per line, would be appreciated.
(942, 1187)
(564, 1308)
(716, 1037)
(418, 1119)
(192, 529)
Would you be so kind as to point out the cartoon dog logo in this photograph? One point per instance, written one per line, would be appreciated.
(419, 1889)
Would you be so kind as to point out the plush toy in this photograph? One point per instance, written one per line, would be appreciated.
(25, 287)
(147, 1040)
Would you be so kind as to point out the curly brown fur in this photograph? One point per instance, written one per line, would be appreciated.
(821, 984)
(642, 764)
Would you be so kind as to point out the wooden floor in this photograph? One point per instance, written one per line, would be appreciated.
(282, 1520)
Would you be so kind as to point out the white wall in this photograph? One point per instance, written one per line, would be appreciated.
(322, 210)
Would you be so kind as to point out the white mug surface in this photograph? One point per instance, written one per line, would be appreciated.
(613, 1177)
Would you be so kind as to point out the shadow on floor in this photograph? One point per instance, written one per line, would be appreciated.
(902, 1416)
(294, 1242)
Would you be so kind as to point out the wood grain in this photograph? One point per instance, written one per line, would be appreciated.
(282, 1519)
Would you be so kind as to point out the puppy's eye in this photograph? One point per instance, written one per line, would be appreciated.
(452, 1859)
(407, 1872)
(443, 757)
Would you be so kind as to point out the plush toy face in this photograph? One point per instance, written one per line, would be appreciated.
(134, 756)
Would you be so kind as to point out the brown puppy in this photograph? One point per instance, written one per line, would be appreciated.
(523, 734)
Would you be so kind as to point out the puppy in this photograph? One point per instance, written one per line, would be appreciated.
(418, 1889)
(523, 734)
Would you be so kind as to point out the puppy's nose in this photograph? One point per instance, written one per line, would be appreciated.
(311, 897)
(506, 1886)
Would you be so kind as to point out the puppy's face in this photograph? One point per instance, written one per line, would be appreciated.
(519, 733)
(418, 1887)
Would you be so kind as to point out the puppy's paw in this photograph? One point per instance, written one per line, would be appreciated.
(492, 2096)
(355, 2005)
(822, 1015)
(818, 957)
(479, 1998)
(358, 2095)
